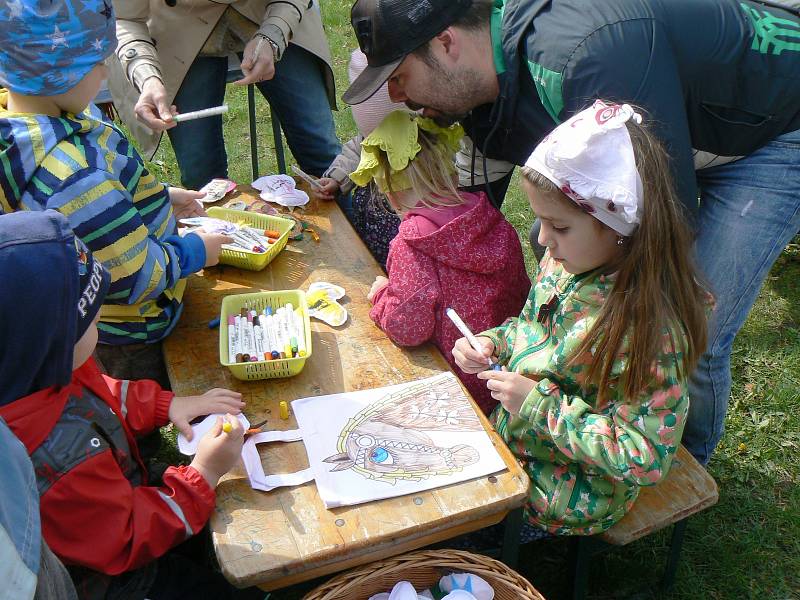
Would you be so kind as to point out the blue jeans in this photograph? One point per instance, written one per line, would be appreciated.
(296, 95)
(749, 212)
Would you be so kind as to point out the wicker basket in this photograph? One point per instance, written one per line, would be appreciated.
(423, 569)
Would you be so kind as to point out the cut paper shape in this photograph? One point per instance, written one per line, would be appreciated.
(252, 461)
(189, 448)
(216, 189)
(466, 582)
(392, 441)
(255, 470)
(280, 189)
(322, 303)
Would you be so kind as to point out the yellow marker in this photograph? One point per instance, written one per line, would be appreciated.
(227, 427)
(284, 410)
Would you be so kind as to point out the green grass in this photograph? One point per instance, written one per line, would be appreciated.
(748, 545)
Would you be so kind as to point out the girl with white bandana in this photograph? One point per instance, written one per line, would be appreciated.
(593, 390)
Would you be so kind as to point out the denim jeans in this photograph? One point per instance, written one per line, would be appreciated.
(749, 212)
(296, 95)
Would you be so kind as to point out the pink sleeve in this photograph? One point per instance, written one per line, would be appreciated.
(406, 308)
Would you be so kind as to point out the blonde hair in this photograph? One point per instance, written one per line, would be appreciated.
(430, 173)
(657, 286)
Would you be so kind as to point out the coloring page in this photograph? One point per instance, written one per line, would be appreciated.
(393, 441)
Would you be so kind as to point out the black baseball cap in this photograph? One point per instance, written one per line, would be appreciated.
(389, 30)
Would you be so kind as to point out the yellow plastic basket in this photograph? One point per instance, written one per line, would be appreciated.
(264, 369)
(249, 260)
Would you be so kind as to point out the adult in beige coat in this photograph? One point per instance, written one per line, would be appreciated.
(172, 57)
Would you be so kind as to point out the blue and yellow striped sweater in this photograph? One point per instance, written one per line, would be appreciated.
(87, 169)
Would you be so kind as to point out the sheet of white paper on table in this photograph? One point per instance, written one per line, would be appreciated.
(200, 429)
(255, 471)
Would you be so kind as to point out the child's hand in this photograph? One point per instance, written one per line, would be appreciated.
(509, 389)
(327, 190)
(470, 361)
(185, 203)
(213, 243)
(218, 450)
(183, 410)
(379, 283)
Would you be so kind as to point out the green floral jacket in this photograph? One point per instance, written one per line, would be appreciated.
(586, 459)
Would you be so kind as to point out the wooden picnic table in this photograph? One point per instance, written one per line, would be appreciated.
(287, 536)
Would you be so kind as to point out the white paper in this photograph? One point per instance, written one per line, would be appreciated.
(392, 441)
(255, 471)
(280, 189)
(200, 429)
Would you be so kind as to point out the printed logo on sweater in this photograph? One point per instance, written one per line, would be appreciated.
(773, 34)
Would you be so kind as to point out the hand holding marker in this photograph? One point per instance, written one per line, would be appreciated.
(473, 341)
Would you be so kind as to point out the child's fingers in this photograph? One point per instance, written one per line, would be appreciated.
(185, 428)
(216, 429)
(224, 392)
(235, 430)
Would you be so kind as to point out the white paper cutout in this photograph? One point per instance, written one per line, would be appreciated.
(280, 189)
(200, 429)
(392, 441)
(255, 471)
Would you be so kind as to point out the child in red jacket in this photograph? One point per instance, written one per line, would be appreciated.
(453, 249)
(99, 514)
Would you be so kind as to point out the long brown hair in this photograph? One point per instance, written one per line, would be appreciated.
(657, 285)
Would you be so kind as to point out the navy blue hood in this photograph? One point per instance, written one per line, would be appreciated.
(43, 271)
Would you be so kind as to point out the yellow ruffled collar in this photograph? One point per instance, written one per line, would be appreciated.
(397, 138)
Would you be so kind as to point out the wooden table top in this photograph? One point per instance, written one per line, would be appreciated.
(286, 536)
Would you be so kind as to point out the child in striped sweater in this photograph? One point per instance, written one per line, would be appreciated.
(57, 152)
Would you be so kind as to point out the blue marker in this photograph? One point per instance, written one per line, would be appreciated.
(473, 341)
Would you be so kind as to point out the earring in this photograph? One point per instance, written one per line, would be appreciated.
(620, 241)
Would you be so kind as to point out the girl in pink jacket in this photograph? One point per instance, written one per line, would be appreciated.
(453, 249)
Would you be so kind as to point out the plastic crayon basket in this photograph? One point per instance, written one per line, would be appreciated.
(249, 260)
(264, 369)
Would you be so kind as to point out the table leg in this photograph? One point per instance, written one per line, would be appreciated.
(513, 525)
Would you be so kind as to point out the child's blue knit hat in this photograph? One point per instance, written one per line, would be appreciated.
(48, 46)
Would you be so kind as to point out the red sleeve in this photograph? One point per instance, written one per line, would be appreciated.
(94, 517)
(406, 308)
(145, 406)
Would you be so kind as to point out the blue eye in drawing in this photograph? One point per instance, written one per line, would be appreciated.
(381, 456)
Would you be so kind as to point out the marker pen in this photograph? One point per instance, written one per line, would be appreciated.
(232, 339)
(237, 325)
(258, 339)
(201, 114)
(473, 341)
(299, 333)
(251, 339)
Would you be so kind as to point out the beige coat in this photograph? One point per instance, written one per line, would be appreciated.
(180, 32)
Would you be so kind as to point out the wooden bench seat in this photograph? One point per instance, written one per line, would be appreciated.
(687, 489)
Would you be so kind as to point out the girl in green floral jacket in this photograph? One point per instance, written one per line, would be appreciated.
(593, 389)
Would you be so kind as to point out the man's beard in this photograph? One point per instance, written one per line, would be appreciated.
(462, 85)
(442, 119)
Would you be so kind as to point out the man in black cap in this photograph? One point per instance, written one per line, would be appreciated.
(717, 80)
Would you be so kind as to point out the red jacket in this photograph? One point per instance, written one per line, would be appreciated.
(97, 509)
(473, 264)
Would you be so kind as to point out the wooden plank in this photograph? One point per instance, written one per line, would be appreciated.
(286, 536)
(687, 489)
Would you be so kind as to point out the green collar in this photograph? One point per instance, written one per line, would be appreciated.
(497, 37)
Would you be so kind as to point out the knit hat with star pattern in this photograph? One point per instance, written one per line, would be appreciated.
(48, 46)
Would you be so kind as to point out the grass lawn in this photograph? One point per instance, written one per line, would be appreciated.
(748, 546)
